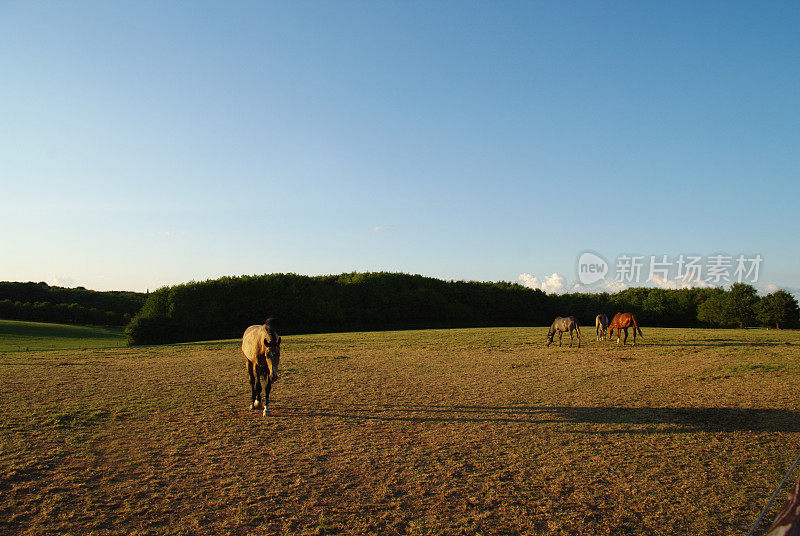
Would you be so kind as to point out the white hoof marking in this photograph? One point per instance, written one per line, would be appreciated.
(266, 411)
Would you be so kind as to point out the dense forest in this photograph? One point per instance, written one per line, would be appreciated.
(41, 302)
(223, 308)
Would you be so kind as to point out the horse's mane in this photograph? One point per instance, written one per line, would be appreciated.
(270, 329)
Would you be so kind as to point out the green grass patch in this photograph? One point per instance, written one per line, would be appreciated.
(77, 418)
(16, 336)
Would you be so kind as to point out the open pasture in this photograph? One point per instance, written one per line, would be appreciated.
(18, 336)
(477, 431)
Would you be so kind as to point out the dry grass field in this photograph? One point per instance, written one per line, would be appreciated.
(480, 431)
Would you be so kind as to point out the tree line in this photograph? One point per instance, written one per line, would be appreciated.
(740, 306)
(40, 302)
(223, 308)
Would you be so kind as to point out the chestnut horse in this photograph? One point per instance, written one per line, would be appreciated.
(262, 348)
(623, 321)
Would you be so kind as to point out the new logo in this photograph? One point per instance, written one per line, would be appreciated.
(591, 268)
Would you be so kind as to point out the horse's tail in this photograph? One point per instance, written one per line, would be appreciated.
(636, 326)
(578, 329)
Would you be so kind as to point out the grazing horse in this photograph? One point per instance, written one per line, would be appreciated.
(622, 321)
(262, 348)
(600, 327)
(561, 325)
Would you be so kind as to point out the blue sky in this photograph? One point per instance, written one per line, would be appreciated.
(153, 143)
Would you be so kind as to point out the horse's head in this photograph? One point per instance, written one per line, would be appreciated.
(273, 346)
(550, 335)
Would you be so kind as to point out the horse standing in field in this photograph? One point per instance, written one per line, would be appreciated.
(600, 327)
(262, 348)
(622, 321)
(561, 325)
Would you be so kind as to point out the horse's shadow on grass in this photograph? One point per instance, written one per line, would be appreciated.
(611, 420)
(723, 342)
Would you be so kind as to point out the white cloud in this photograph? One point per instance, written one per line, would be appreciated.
(663, 282)
(615, 286)
(557, 284)
(687, 282)
(63, 281)
(578, 287)
(678, 283)
(171, 234)
(772, 287)
(552, 284)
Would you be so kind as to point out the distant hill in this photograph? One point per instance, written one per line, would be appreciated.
(41, 302)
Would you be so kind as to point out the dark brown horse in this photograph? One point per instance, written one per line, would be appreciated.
(623, 321)
(262, 348)
(562, 325)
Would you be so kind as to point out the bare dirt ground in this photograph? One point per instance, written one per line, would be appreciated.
(480, 431)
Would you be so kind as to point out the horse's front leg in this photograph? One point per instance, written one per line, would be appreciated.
(560, 334)
(252, 375)
(267, 389)
(571, 338)
(257, 390)
(625, 338)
